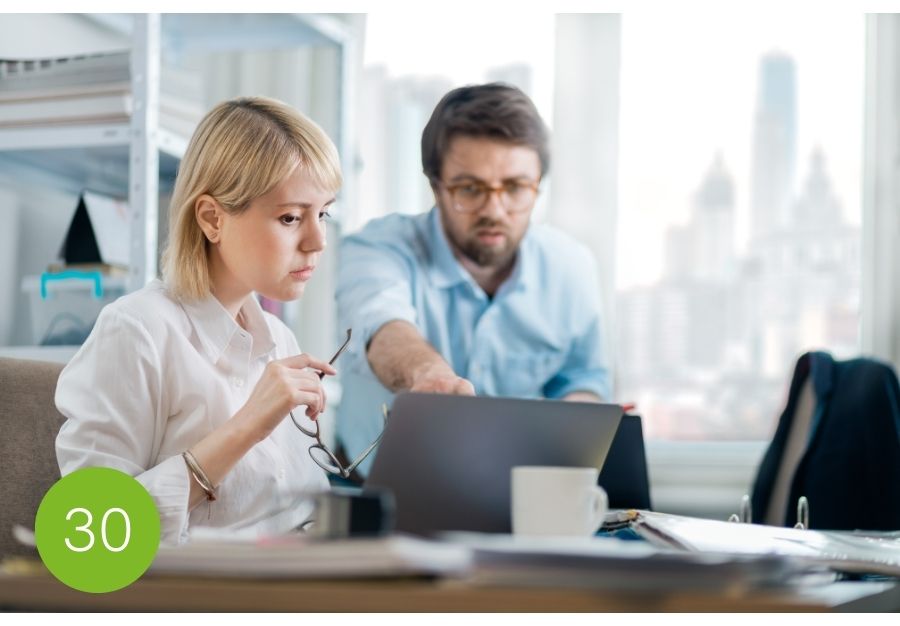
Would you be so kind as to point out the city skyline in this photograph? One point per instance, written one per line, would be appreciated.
(707, 347)
(700, 96)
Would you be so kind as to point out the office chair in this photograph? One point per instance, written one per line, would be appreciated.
(29, 423)
(838, 444)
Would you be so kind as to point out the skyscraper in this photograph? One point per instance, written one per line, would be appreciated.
(774, 145)
(703, 248)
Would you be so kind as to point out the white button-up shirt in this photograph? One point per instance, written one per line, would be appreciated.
(156, 376)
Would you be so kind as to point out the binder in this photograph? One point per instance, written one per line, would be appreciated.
(851, 552)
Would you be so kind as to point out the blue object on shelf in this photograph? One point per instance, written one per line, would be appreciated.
(96, 277)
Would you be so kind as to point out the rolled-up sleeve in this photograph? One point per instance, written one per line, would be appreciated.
(112, 396)
(374, 287)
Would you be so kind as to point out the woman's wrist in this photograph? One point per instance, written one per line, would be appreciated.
(220, 450)
(247, 431)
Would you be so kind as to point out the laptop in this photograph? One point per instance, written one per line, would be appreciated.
(447, 459)
(624, 473)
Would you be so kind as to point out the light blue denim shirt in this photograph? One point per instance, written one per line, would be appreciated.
(540, 336)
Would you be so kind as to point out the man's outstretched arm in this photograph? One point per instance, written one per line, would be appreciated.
(403, 361)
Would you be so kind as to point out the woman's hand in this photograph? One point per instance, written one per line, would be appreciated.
(285, 384)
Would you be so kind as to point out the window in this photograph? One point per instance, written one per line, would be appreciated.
(735, 213)
(406, 70)
(740, 204)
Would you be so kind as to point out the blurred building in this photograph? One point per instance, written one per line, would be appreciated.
(678, 332)
(707, 348)
(774, 144)
(704, 248)
(802, 280)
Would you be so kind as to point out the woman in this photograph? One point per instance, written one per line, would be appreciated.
(185, 383)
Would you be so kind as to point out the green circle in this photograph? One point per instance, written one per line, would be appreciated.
(118, 551)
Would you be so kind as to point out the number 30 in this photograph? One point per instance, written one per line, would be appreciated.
(87, 530)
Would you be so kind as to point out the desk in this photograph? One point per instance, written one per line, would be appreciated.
(39, 591)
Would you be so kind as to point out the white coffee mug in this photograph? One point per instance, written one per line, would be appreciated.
(561, 501)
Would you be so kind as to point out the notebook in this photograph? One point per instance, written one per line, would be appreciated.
(299, 556)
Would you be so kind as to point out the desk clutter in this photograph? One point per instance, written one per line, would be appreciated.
(678, 553)
(299, 556)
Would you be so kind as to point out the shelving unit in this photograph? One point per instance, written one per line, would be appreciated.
(136, 158)
(83, 156)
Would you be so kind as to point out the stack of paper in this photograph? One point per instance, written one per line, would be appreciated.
(608, 563)
(871, 553)
(301, 557)
(91, 89)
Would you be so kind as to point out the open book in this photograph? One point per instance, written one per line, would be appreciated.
(854, 552)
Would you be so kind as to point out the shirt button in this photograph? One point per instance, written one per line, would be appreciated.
(237, 382)
(281, 474)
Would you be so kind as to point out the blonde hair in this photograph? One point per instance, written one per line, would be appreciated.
(239, 152)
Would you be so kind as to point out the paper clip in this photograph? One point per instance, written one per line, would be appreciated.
(802, 514)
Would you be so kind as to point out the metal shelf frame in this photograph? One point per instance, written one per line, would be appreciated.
(94, 155)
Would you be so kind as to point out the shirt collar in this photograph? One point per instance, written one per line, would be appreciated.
(216, 328)
(446, 271)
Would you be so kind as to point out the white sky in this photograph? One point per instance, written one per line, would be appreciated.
(688, 91)
(689, 88)
(463, 46)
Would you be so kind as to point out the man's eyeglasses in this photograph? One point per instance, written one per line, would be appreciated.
(319, 452)
(516, 195)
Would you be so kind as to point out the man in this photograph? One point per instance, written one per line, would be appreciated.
(469, 297)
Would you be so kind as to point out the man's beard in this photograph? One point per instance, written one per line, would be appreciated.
(487, 256)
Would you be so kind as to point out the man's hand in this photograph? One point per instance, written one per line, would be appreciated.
(403, 361)
(438, 377)
(582, 396)
(444, 384)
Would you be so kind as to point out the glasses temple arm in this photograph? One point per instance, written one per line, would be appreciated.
(338, 353)
(365, 453)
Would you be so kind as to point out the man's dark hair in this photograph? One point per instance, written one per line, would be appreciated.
(495, 111)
